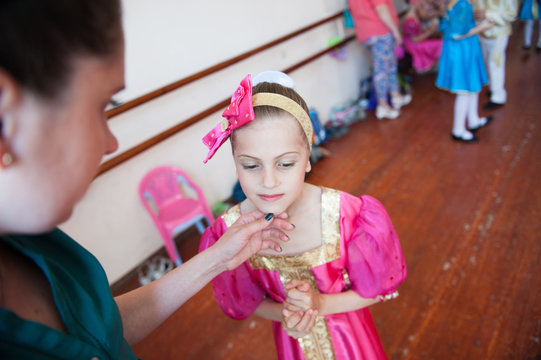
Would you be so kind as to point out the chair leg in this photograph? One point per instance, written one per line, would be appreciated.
(200, 226)
(170, 247)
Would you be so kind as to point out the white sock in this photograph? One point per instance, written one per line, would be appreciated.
(539, 38)
(459, 116)
(473, 115)
(528, 31)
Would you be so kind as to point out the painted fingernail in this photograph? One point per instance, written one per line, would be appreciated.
(294, 227)
(269, 216)
(279, 249)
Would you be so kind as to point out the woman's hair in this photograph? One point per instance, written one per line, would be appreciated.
(267, 111)
(41, 38)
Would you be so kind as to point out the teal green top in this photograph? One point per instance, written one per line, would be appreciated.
(82, 295)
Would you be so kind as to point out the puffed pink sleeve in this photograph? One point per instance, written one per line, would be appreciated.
(409, 28)
(375, 262)
(236, 291)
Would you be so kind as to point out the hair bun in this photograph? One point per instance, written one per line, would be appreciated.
(276, 77)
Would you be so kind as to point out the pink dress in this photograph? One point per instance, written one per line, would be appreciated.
(425, 53)
(360, 251)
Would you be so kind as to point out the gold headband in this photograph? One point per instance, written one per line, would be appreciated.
(285, 103)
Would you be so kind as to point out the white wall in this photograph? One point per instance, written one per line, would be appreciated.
(167, 40)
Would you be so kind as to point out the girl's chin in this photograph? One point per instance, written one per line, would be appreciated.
(271, 208)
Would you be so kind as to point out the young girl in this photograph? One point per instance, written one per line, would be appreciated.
(342, 256)
(529, 12)
(462, 70)
(420, 42)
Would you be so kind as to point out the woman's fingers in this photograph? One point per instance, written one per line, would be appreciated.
(243, 239)
(256, 214)
(282, 224)
(249, 217)
(269, 239)
(274, 233)
(270, 244)
(270, 235)
(270, 227)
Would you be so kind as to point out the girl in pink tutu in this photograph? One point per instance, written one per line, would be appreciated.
(342, 256)
(421, 42)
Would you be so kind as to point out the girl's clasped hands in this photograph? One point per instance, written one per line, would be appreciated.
(300, 309)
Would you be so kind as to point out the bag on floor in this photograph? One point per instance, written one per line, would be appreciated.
(320, 135)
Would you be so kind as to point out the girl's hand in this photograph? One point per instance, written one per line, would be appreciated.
(298, 324)
(301, 297)
(433, 28)
(484, 25)
(251, 233)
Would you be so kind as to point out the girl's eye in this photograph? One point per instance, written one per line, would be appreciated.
(286, 164)
(249, 166)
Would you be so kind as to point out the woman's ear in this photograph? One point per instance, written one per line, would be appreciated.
(9, 98)
(308, 166)
(10, 92)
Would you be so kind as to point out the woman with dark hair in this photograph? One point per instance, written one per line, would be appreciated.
(60, 64)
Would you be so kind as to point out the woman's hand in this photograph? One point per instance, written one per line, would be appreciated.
(433, 28)
(397, 37)
(479, 14)
(298, 324)
(301, 297)
(251, 233)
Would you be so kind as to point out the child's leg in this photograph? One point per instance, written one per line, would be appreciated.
(397, 100)
(539, 38)
(528, 31)
(381, 50)
(392, 66)
(496, 68)
(473, 114)
(474, 121)
(381, 81)
(459, 117)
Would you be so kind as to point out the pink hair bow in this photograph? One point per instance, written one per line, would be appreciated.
(238, 113)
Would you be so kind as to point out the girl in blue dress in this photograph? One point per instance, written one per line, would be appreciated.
(529, 11)
(462, 70)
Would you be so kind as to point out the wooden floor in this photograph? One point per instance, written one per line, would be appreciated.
(469, 220)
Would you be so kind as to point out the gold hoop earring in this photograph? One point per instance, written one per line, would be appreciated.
(7, 159)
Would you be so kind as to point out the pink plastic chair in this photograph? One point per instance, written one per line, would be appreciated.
(175, 203)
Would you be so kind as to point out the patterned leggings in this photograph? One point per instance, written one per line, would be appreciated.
(384, 64)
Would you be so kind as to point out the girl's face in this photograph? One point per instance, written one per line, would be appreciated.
(271, 158)
(57, 145)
